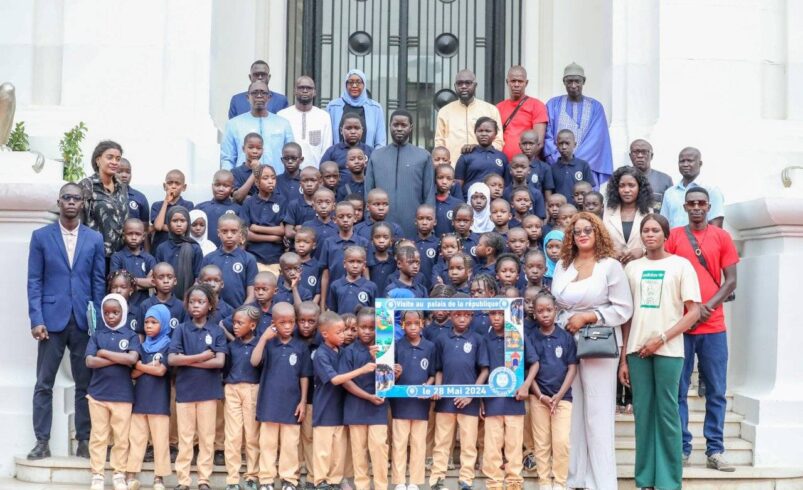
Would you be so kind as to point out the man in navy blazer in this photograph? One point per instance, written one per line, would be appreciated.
(66, 271)
(239, 103)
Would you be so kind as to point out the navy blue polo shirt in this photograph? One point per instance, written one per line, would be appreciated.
(568, 174)
(418, 365)
(168, 251)
(283, 366)
(366, 227)
(221, 313)
(138, 265)
(131, 318)
(312, 345)
(357, 411)
(440, 269)
(238, 363)
(339, 153)
(556, 352)
(322, 232)
(112, 383)
(489, 269)
(506, 405)
(381, 270)
(481, 162)
(239, 270)
(480, 323)
(289, 187)
(197, 384)
(460, 357)
(285, 295)
(428, 250)
(332, 251)
(327, 400)
(299, 212)
(350, 186)
(541, 175)
(310, 271)
(152, 393)
(530, 326)
(214, 210)
(178, 314)
(161, 236)
(265, 319)
(444, 212)
(138, 206)
(264, 212)
(536, 196)
(434, 329)
(470, 244)
(418, 288)
(345, 296)
(241, 174)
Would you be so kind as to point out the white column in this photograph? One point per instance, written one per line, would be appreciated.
(765, 335)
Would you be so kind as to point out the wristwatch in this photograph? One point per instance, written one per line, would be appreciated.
(663, 337)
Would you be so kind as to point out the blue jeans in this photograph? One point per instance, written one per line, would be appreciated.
(712, 356)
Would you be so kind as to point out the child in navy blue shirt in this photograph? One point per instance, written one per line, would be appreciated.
(378, 209)
(111, 352)
(221, 204)
(138, 206)
(307, 314)
(238, 266)
(426, 242)
(282, 400)
(438, 324)
(489, 247)
(459, 359)
(482, 286)
(175, 184)
(264, 292)
(500, 216)
(198, 352)
(483, 159)
(504, 416)
(551, 407)
(365, 413)
(381, 263)
(323, 224)
(350, 328)
(180, 250)
(460, 272)
(164, 282)
(534, 268)
(579, 192)
(553, 205)
(122, 282)
(329, 443)
(244, 174)
(150, 419)
(540, 171)
(522, 178)
(288, 287)
(408, 264)
(241, 382)
(568, 170)
(521, 204)
(508, 272)
(310, 269)
(518, 243)
(301, 210)
(462, 222)
(134, 259)
(332, 248)
(358, 201)
(353, 291)
(288, 184)
(352, 131)
(330, 175)
(449, 246)
(533, 225)
(445, 202)
(263, 215)
(355, 183)
(212, 276)
(415, 355)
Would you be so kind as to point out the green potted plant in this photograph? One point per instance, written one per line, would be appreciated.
(18, 139)
(71, 154)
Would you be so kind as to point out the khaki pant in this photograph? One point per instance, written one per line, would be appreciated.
(348, 464)
(114, 418)
(173, 419)
(551, 435)
(280, 440)
(329, 454)
(195, 418)
(529, 443)
(413, 432)
(220, 426)
(240, 416)
(158, 428)
(369, 440)
(445, 424)
(305, 446)
(503, 432)
(269, 268)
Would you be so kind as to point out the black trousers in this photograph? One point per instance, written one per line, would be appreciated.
(48, 360)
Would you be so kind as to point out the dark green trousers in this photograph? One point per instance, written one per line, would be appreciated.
(659, 444)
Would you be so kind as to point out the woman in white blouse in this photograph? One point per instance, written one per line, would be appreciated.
(663, 285)
(591, 288)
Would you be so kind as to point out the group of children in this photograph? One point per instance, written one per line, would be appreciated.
(262, 297)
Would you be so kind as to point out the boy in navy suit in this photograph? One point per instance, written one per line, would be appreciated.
(66, 270)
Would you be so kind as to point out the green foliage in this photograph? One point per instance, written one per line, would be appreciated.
(71, 154)
(18, 139)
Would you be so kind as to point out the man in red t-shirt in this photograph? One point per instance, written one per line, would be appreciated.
(531, 112)
(712, 254)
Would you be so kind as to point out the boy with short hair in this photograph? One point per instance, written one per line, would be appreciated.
(164, 280)
(220, 204)
(568, 170)
(521, 175)
(489, 247)
(212, 276)
(138, 206)
(263, 214)
(329, 444)
(174, 185)
(445, 201)
(301, 210)
(579, 192)
(238, 266)
(540, 171)
(330, 175)
(348, 293)
(378, 209)
(307, 314)
(426, 242)
(565, 214)
(304, 246)
(594, 202)
(355, 163)
(264, 291)
(358, 201)
(331, 257)
(553, 206)
(500, 216)
(288, 288)
(323, 224)
(244, 174)
(289, 182)
(496, 183)
(533, 225)
(135, 260)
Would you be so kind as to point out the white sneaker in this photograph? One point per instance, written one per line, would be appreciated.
(98, 482)
(412, 487)
(118, 480)
(401, 486)
(134, 484)
(545, 486)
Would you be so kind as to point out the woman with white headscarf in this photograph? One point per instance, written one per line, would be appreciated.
(354, 99)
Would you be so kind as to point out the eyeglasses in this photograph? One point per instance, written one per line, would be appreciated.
(258, 93)
(71, 197)
(355, 83)
(696, 204)
(587, 231)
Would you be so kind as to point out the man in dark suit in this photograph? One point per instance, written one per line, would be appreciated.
(240, 104)
(66, 268)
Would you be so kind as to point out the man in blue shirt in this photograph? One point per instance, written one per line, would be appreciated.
(239, 102)
(689, 164)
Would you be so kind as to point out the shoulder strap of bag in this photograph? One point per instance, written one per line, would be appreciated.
(699, 253)
(513, 114)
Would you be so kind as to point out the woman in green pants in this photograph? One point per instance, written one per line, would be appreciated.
(663, 286)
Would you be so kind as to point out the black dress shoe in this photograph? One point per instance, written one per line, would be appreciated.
(82, 451)
(148, 458)
(40, 451)
(173, 454)
(219, 458)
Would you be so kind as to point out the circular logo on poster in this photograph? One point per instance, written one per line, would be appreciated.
(501, 380)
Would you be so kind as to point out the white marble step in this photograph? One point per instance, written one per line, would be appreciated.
(625, 424)
(738, 451)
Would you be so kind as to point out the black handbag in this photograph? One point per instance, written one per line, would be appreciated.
(597, 342)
